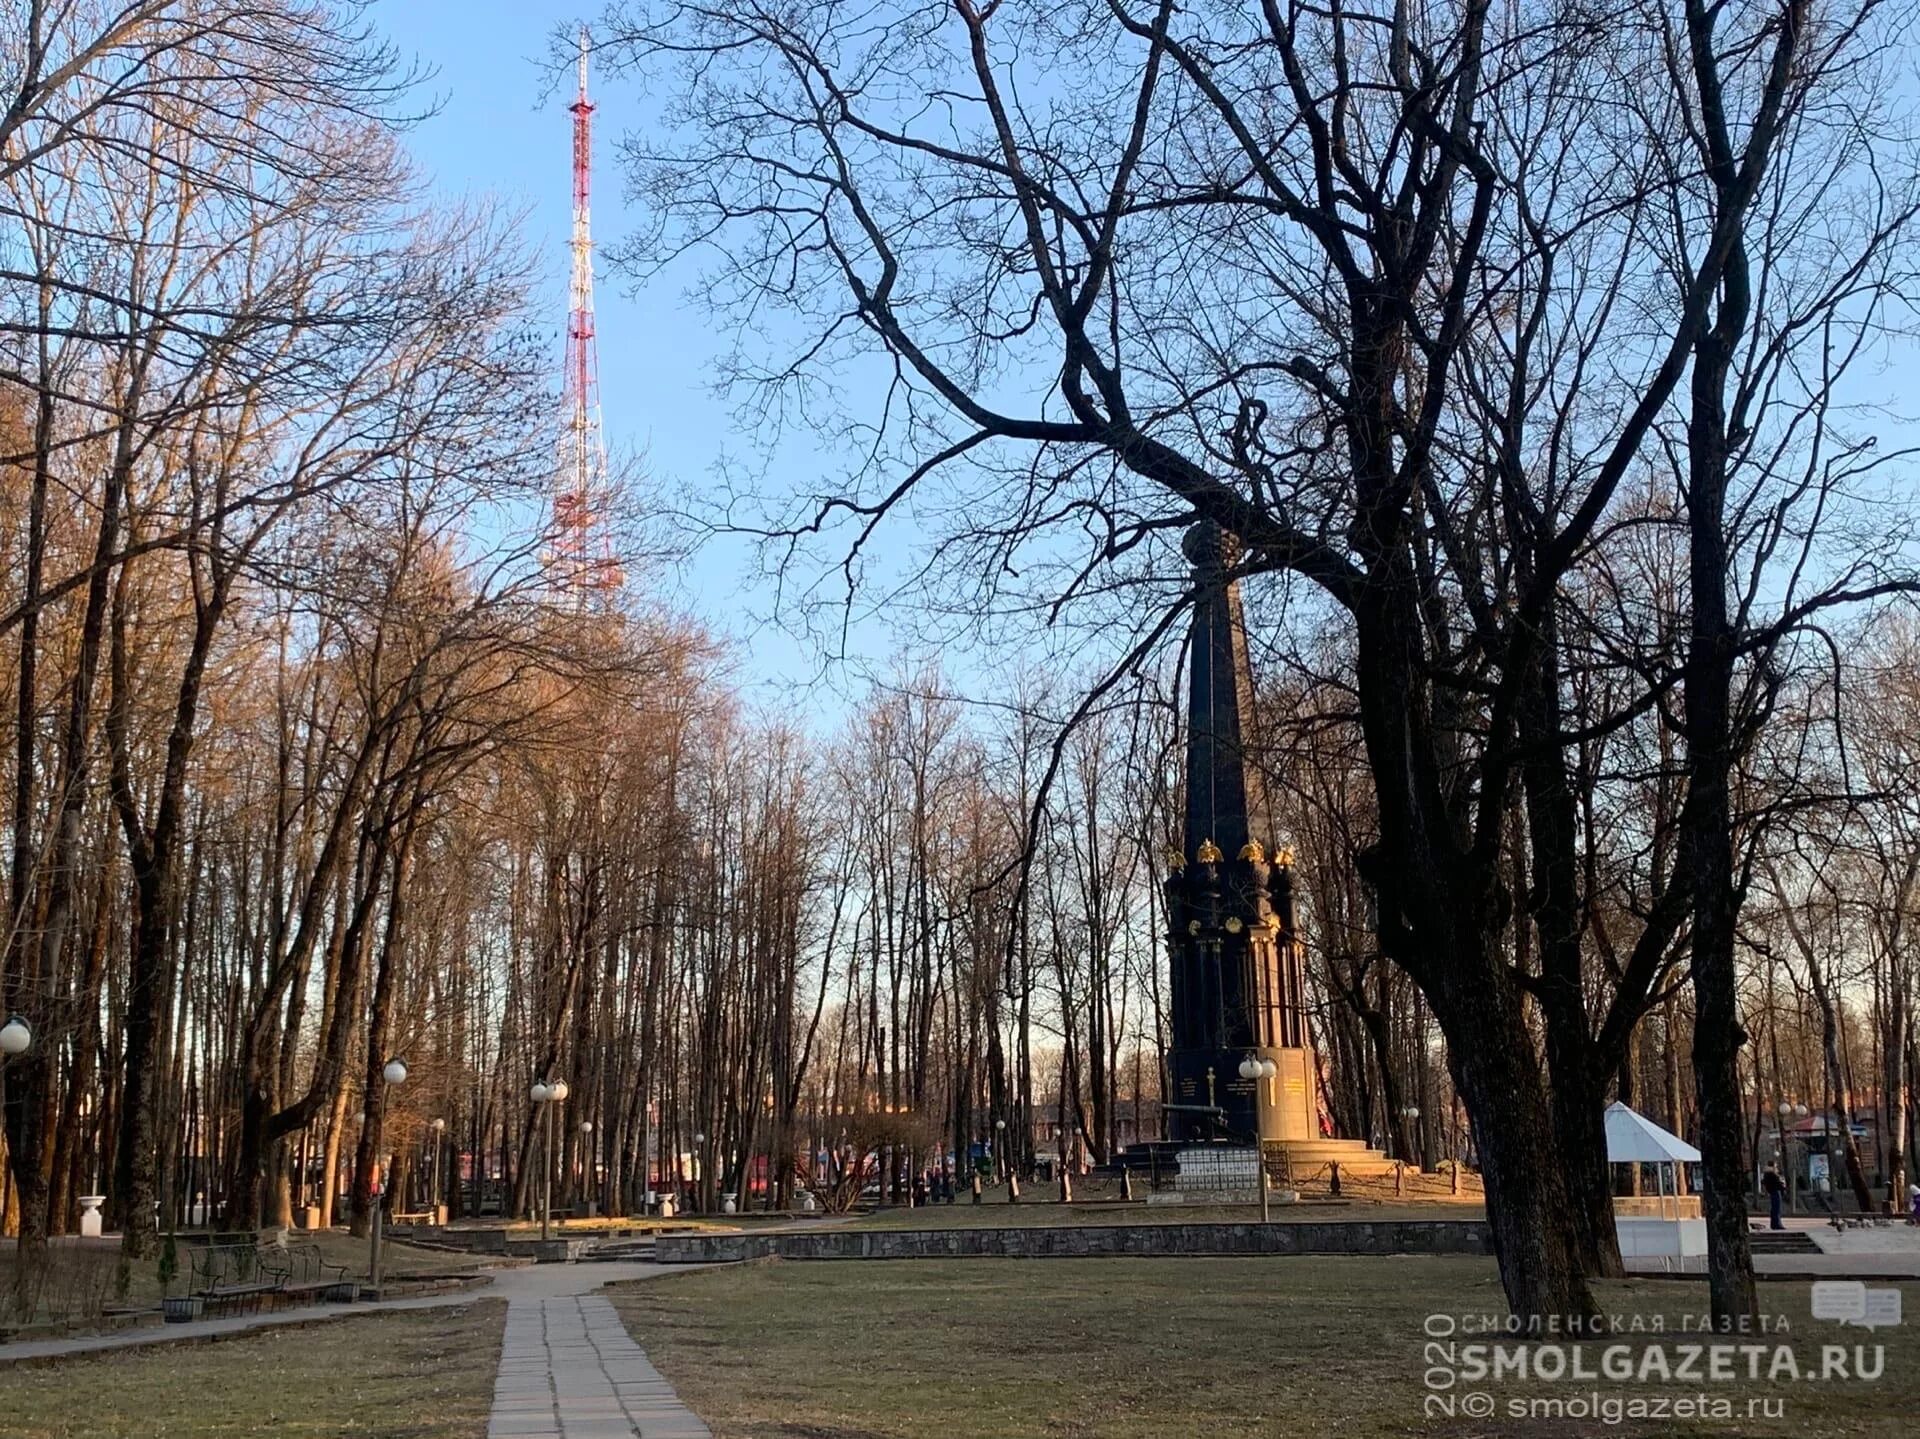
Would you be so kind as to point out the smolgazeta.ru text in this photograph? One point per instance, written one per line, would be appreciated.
(1448, 1364)
(1604, 1408)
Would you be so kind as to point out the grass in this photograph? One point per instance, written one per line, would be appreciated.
(421, 1375)
(1127, 1349)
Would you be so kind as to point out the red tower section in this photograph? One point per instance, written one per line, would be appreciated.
(582, 554)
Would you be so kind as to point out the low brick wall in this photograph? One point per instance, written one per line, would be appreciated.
(561, 1249)
(550, 1251)
(471, 1241)
(1426, 1236)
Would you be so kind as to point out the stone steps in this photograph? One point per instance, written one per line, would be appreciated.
(1299, 1158)
(1781, 1241)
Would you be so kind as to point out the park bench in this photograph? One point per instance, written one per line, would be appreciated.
(235, 1278)
(310, 1276)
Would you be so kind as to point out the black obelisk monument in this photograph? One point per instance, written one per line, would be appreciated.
(1238, 990)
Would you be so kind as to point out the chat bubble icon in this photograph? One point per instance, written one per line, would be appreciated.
(1883, 1309)
(1844, 1301)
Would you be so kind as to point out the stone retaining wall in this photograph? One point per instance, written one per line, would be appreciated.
(562, 1248)
(1435, 1236)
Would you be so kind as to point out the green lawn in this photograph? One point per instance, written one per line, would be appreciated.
(1144, 1349)
(421, 1375)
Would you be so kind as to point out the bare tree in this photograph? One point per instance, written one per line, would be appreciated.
(1250, 265)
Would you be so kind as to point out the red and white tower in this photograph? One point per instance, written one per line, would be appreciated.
(582, 554)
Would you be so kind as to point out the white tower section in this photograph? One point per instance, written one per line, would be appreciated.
(582, 555)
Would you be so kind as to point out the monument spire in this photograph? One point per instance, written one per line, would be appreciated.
(1238, 990)
(1225, 800)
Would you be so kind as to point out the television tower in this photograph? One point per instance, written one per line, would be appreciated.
(582, 555)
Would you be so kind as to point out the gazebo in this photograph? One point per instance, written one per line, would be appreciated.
(1666, 1224)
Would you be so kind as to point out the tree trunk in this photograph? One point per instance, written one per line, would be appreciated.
(1707, 837)
(386, 981)
(136, 1165)
(1893, 1106)
(1500, 1081)
(1579, 1117)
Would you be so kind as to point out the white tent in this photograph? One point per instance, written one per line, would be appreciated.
(1632, 1138)
(1665, 1226)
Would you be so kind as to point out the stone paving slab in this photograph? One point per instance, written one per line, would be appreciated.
(570, 1370)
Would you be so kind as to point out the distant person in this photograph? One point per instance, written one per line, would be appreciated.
(1913, 1204)
(1776, 1190)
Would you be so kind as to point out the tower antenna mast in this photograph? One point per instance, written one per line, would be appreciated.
(581, 552)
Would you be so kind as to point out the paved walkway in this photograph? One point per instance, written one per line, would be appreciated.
(1857, 1265)
(1877, 1251)
(569, 1370)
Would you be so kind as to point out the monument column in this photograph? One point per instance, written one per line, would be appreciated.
(1237, 980)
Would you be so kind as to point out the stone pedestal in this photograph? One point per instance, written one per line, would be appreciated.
(1289, 1110)
(1275, 1109)
(309, 1217)
(90, 1215)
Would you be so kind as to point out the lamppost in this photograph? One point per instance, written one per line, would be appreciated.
(586, 1164)
(699, 1176)
(393, 1072)
(646, 1157)
(1254, 1069)
(439, 1143)
(1410, 1116)
(546, 1094)
(16, 1037)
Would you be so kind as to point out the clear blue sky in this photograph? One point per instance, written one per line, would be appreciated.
(498, 131)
